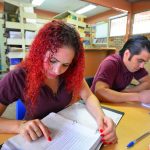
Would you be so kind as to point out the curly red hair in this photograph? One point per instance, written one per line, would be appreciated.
(51, 37)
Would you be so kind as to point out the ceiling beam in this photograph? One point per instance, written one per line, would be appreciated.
(120, 5)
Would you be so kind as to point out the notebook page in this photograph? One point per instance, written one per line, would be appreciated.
(76, 136)
(65, 135)
(79, 112)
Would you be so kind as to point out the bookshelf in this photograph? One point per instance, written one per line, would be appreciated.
(74, 19)
(87, 38)
(3, 65)
(20, 29)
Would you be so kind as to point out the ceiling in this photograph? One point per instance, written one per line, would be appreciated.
(59, 6)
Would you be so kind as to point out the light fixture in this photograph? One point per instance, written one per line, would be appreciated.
(118, 16)
(86, 9)
(37, 2)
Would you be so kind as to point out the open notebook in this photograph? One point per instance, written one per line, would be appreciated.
(71, 129)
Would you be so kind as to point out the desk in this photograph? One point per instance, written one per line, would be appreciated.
(135, 122)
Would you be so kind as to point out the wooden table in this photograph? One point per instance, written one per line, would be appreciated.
(135, 122)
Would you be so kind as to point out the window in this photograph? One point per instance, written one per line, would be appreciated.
(101, 35)
(141, 23)
(118, 26)
(101, 30)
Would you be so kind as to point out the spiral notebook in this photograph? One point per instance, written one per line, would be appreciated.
(71, 129)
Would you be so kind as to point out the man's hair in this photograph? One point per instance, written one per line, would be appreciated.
(135, 45)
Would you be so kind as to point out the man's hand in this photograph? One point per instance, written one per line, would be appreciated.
(145, 96)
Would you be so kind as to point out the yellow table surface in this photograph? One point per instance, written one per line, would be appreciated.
(134, 123)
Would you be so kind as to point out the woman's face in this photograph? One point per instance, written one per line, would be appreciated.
(59, 63)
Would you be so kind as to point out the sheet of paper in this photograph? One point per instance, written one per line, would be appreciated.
(145, 105)
(114, 115)
(79, 113)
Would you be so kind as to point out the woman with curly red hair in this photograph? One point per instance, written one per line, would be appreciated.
(50, 78)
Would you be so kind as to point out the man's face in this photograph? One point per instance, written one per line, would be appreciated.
(137, 61)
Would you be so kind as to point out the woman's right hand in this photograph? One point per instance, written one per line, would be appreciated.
(34, 129)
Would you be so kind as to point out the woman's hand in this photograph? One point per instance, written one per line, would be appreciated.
(107, 130)
(34, 129)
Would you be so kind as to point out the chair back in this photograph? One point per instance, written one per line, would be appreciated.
(89, 81)
(20, 110)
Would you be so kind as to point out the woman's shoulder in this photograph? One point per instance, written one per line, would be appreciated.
(18, 73)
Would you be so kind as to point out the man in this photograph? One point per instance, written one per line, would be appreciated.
(116, 72)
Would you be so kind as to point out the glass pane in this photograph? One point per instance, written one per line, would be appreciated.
(118, 26)
(141, 23)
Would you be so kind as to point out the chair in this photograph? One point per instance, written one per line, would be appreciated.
(89, 81)
(20, 110)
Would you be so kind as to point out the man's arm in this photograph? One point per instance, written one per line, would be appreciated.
(104, 93)
(144, 84)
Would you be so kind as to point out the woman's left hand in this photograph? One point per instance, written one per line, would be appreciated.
(107, 129)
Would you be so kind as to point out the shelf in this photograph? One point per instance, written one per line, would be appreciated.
(39, 26)
(14, 41)
(82, 34)
(28, 41)
(13, 25)
(30, 26)
(1, 21)
(16, 55)
(67, 13)
(29, 15)
(76, 22)
(42, 21)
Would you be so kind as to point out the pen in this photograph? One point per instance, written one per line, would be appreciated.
(130, 144)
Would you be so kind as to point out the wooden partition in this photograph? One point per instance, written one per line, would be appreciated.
(93, 57)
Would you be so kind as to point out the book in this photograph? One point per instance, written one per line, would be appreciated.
(71, 129)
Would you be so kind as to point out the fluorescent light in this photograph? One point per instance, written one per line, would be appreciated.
(37, 2)
(85, 9)
(118, 16)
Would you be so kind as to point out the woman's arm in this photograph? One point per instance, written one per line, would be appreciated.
(92, 103)
(31, 130)
(105, 124)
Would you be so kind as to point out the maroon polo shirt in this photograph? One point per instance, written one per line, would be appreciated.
(113, 72)
(12, 89)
